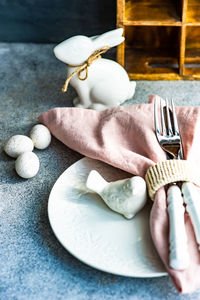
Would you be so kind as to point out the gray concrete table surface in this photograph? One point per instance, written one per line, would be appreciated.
(33, 264)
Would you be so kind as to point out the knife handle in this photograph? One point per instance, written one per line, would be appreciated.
(191, 196)
(179, 256)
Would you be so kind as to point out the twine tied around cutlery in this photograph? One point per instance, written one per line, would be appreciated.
(84, 66)
(170, 171)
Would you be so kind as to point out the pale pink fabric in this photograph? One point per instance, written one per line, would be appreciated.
(124, 137)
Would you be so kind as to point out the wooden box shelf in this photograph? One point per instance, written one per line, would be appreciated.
(192, 51)
(152, 11)
(193, 11)
(162, 39)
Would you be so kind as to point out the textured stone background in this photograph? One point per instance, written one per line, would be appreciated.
(33, 264)
(46, 21)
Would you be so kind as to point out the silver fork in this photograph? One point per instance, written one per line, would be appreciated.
(170, 141)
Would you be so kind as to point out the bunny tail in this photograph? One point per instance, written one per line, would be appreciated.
(131, 91)
(96, 182)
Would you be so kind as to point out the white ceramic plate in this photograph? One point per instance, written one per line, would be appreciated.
(93, 233)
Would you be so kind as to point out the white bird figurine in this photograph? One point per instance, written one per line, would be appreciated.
(127, 196)
(100, 83)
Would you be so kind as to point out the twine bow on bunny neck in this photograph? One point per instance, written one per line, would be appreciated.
(84, 66)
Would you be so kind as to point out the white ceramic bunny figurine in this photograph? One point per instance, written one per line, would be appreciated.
(126, 196)
(107, 84)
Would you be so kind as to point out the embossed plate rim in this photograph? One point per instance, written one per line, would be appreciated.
(69, 207)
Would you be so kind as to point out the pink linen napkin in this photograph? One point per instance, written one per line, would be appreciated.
(124, 137)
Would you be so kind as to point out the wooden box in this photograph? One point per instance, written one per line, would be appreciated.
(162, 39)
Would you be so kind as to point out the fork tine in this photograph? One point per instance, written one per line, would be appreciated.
(164, 130)
(176, 129)
(169, 124)
(156, 123)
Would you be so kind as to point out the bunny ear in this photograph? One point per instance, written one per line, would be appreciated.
(111, 38)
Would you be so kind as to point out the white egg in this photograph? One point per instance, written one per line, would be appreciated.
(17, 145)
(27, 165)
(40, 136)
